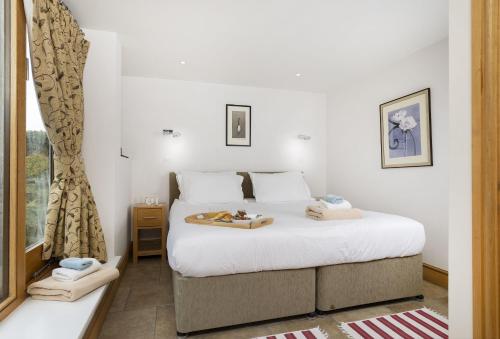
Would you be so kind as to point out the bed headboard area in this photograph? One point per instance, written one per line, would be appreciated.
(246, 185)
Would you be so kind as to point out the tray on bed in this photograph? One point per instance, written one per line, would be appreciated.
(207, 219)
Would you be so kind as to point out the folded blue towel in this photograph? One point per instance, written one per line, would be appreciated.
(76, 263)
(334, 199)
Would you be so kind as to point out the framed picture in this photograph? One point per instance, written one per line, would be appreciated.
(238, 125)
(405, 131)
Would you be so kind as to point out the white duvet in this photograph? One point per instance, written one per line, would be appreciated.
(292, 241)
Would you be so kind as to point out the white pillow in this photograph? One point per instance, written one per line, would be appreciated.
(178, 177)
(279, 187)
(206, 187)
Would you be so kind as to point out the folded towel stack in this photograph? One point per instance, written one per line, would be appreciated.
(75, 268)
(76, 278)
(333, 207)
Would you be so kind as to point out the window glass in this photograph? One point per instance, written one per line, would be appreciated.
(38, 165)
(4, 152)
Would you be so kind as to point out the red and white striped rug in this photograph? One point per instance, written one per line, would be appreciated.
(421, 323)
(313, 333)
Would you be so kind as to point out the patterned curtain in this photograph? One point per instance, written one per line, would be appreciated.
(59, 51)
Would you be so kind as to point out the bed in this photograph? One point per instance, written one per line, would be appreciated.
(224, 276)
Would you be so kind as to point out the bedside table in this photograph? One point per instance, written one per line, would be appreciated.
(149, 230)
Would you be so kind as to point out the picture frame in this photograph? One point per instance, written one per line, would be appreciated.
(405, 131)
(238, 125)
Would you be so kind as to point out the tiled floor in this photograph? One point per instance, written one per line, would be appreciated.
(143, 308)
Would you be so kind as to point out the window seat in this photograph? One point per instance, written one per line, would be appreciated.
(53, 319)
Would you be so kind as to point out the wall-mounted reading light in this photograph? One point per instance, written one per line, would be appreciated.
(304, 137)
(174, 134)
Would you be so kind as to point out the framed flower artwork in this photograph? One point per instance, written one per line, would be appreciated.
(238, 125)
(405, 131)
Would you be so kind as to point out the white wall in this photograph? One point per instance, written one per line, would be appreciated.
(460, 232)
(197, 110)
(108, 174)
(123, 202)
(354, 169)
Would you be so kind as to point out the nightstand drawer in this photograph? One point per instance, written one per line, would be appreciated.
(149, 217)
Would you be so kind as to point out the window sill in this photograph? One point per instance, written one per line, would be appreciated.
(53, 319)
(33, 246)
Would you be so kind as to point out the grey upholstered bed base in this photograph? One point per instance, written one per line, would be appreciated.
(346, 285)
(203, 303)
(206, 303)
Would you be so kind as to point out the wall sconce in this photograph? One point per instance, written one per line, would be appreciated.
(304, 137)
(174, 134)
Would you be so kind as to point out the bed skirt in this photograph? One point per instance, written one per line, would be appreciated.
(211, 302)
(346, 285)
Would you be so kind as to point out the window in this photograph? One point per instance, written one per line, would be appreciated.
(4, 152)
(38, 166)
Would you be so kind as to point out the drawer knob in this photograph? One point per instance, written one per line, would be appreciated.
(150, 217)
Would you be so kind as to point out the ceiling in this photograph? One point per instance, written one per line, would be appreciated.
(265, 43)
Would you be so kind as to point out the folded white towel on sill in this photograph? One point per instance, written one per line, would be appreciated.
(342, 206)
(68, 274)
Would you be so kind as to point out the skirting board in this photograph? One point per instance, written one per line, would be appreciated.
(436, 275)
(97, 320)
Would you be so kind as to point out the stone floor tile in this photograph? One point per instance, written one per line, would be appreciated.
(130, 324)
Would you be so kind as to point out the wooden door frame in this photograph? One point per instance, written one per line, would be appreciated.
(486, 168)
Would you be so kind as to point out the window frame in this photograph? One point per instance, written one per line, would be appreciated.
(6, 158)
(17, 150)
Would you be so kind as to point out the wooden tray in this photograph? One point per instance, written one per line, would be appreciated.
(207, 220)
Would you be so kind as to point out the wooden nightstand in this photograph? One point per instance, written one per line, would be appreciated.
(149, 230)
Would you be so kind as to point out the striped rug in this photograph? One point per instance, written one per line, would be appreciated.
(421, 323)
(313, 333)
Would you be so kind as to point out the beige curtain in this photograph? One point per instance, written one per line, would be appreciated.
(59, 51)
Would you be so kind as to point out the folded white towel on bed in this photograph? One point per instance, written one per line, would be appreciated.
(342, 206)
(68, 274)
